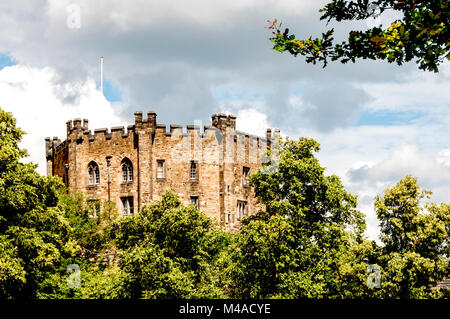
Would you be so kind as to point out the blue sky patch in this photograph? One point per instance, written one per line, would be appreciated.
(387, 118)
(6, 60)
(111, 91)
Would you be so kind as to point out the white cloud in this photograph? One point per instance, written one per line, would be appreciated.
(369, 159)
(42, 107)
(141, 13)
(414, 91)
(253, 122)
(369, 180)
(405, 159)
(444, 157)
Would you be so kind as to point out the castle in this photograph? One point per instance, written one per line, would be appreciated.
(134, 167)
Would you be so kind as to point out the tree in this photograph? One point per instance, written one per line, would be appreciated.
(422, 34)
(169, 251)
(416, 241)
(89, 221)
(35, 237)
(308, 242)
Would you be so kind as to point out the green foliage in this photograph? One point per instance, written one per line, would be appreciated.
(308, 242)
(35, 235)
(416, 241)
(308, 239)
(169, 251)
(89, 220)
(10, 137)
(12, 272)
(299, 190)
(422, 34)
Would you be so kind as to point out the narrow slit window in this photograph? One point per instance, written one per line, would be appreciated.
(160, 170)
(91, 176)
(193, 170)
(124, 173)
(229, 218)
(245, 175)
(93, 207)
(130, 173)
(127, 206)
(97, 175)
(241, 209)
(194, 201)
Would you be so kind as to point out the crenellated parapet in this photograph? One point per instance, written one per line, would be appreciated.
(51, 146)
(223, 121)
(82, 133)
(148, 123)
(223, 127)
(77, 125)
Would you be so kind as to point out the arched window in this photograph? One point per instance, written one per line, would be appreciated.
(94, 173)
(127, 171)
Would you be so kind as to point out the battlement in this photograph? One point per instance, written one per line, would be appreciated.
(51, 145)
(77, 124)
(226, 123)
(106, 134)
(223, 125)
(222, 121)
(140, 122)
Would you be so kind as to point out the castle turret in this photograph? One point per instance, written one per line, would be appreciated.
(269, 137)
(69, 127)
(49, 155)
(138, 118)
(223, 121)
(151, 118)
(85, 124)
(77, 124)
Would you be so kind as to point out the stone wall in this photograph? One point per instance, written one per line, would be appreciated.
(221, 155)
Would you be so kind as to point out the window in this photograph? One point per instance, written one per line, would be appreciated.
(193, 170)
(93, 207)
(228, 218)
(127, 171)
(127, 204)
(241, 209)
(160, 170)
(245, 174)
(94, 174)
(194, 201)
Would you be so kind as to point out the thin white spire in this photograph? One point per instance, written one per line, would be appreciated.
(101, 74)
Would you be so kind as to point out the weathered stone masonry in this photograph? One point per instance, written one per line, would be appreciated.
(134, 167)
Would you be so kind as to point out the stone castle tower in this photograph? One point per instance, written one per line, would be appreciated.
(134, 167)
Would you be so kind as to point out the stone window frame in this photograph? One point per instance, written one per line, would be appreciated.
(195, 199)
(241, 209)
(194, 164)
(245, 176)
(94, 174)
(127, 168)
(127, 205)
(229, 218)
(94, 206)
(158, 177)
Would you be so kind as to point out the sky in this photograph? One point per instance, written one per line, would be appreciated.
(375, 121)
